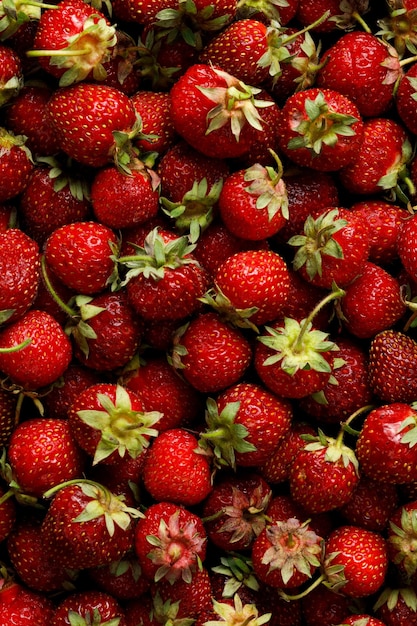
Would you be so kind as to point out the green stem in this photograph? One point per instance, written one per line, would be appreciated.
(70, 312)
(345, 426)
(302, 594)
(361, 21)
(319, 21)
(19, 346)
(58, 53)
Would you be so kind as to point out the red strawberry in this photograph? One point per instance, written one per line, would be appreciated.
(399, 28)
(404, 98)
(19, 274)
(36, 472)
(397, 606)
(24, 606)
(211, 354)
(323, 607)
(386, 448)
(392, 369)
(11, 74)
(153, 109)
(371, 505)
(73, 381)
(45, 356)
(170, 542)
(185, 599)
(172, 458)
(108, 420)
(123, 579)
(320, 129)
(215, 112)
(69, 28)
(362, 620)
(401, 536)
(340, 16)
(89, 605)
(80, 255)
(407, 236)
(16, 164)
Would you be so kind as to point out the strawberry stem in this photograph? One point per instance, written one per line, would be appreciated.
(70, 312)
(59, 53)
(302, 594)
(16, 348)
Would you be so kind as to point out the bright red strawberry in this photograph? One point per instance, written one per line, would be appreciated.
(11, 74)
(70, 28)
(36, 472)
(16, 164)
(88, 606)
(380, 160)
(404, 98)
(362, 560)
(392, 366)
(371, 505)
(87, 138)
(211, 354)
(19, 274)
(320, 128)
(40, 350)
(215, 112)
(363, 68)
(173, 457)
(386, 448)
(123, 579)
(153, 109)
(236, 511)
(362, 620)
(23, 606)
(333, 248)
(86, 525)
(170, 542)
(108, 420)
(80, 255)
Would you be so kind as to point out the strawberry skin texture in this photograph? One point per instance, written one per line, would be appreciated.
(24, 607)
(404, 99)
(16, 166)
(153, 108)
(406, 245)
(89, 139)
(84, 603)
(392, 366)
(372, 504)
(169, 463)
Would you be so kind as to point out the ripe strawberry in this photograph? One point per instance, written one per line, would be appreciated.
(404, 98)
(35, 472)
(356, 561)
(392, 373)
(16, 164)
(323, 474)
(80, 255)
(250, 286)
(369, 79)
(283, 613)
(286, 554)
(170, 542)
(120, 69)
(340, 15)
(303, 298)
(123, 579)
(19, 274)
(320, 128)
(215, 112)
(170, 461)
(8, 513)
(323, 607)
(73, 381)
(371, 505)
(378, 163)
(362, 620)
(211, 354)
(11, 74)
(23, 606)
(399, 27)
(401, 536)
(161, 389)
(108, 420)
(388, 433)
(89, 606)
(397, 606)
(407, 236)
(72, 41)
(45, 356)
(236, 511)
(153, 109)
(90, 139)
(334, 247)
(86, 525)
(373, 302)
(185, 599)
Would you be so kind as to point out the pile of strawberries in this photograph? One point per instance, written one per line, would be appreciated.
(208, 312)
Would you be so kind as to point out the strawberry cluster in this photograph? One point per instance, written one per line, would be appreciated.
(208, 288)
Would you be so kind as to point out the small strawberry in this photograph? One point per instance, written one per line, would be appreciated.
(89, 607)
(392, 373)
(16, 164)
(187, 600)
(11, 74)
(172, 458)
(80, 255)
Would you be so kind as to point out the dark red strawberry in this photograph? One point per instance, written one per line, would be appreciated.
(323, 607)
(397, 606)
(16, 164)
(8, 513)
(73, 381)
(123, 579)
(392, 369)
(89, 605)
(11, 74)
(153, 109)
(371, 505)
(339, 17)
(407, 237)
(401, 536)
(183, 599)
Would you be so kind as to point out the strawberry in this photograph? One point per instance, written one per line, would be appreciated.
(235, 575)
(378, 164)
(73, 381)
(73, 27)
(120, 69)
(185, 599)
(371, 505)
(11, 74)
(334, 247)
(108, 420)
(8, 513)
(320, 128)
(235, 511)
(35, 472)
(362, 620)
(87, 138)
(323, 607)
(399, 27)
(355, 561)
(251, 285)
(407, 236)
(35, 351)
(397, 606)
(19, 274)
(211, 354)
(24, 606)
(170, 542)
(232, 610)
(363, 68)
(215, 112)
(388, 432)
(392, 374)
(401, 536)
(80, 255)
(123, 579)
(89, 607)
(405, 98)
(372, 303)
(153, 109)
(16, 164)
(86, 525)
(283, 613)
(342, 16)
(172, 458)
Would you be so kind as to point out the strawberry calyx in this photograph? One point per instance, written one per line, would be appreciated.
(195, 210)
(391, 595)
(176, 549)
(351, 15)
(127, 156)
(8, 141)
(102, 503)
(223, 436)
(122, 428)
(318, 239)
(335, 450)
(239, 318)
(92, 618)
(160, 76)
(167, 612)
(246, 517)
(14, 13)
(269, 8)
(400, 27)
(403, 539)
(65, 176)
(267, 184)
(86, 51)
(320, 125)
(397, 177)
(238, 614)
(235, 104)
(238, 570)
